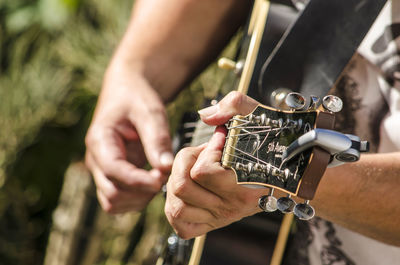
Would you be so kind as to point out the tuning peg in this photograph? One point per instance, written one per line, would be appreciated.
(304, 211)
(228, 64)
(268, 203)
(300, 4)
(314, 101)
(286, 204)
(295, 101)
(332, 103)
(173, 242)
(278, 96)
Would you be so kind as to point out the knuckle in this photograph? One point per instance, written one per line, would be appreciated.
(106, 205)
(198, 173)
(182, 154)
(235, 99)
(93, 136)
(89, 138)
(168, 213)
(186, 153)
(179, 188)
(88, 161)
(109, 208)
(177, 212)
(108, 171)
(184, 234)
(113, 196)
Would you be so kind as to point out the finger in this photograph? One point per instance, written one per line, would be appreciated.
(153, 130)
(107, 152)
(122, 207)
(116, 200)
(232, 104)
(208, 165)
(116, 196)
(182, 186)
(177, 209)
(186, 230)
(208, 172)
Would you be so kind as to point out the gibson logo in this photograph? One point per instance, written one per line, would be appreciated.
(276, 147)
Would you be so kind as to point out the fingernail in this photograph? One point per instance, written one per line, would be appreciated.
(209, 110)
(166, 159)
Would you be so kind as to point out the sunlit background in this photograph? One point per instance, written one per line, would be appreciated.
(53, 54)
(52, 57)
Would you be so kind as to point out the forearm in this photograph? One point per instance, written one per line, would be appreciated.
(169, 42)
(364, 196)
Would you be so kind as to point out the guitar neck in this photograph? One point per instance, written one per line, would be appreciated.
(255, 30)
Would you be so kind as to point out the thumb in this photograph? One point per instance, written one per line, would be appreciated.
(153, 130)
(234, 103)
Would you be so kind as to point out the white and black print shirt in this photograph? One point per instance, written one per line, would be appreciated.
(370, 90)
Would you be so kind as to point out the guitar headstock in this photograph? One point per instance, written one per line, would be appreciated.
(258, 144)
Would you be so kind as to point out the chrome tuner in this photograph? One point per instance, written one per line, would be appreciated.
(228, 64)
(300, 4)
(314, 101)
(286, 204)
(173, 242)
(278, 96)
(332, 103)
(295, 101)
(304, 211)
(268, 203)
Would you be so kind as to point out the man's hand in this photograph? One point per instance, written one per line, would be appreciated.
(166, 44)
(201, 194)
(129, 125)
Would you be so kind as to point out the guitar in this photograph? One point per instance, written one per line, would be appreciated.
(275, 149)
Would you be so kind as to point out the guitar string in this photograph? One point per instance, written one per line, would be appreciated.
(241, 151)
(279, 129)
(295, 174)
(245, 122)
(259, 145)
(262, 143)
(249, 139)
(249, 160)
(251, 133)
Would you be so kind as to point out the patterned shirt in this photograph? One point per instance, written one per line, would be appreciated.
(370, 90)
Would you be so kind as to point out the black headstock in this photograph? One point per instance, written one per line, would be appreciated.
(256, 143)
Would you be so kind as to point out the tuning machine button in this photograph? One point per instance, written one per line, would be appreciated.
(286, 204)
(314, 101)
(228, 64)
(278, 96)
(295, 101)
(332, 103)
(173, 242)
(304, 211)
(268, 203)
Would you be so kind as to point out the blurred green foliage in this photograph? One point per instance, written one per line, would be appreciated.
(52, 57)
(53, 54)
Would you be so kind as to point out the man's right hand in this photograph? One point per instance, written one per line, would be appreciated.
(129, 125)
(166, 44)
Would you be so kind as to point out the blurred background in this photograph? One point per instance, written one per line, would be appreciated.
(52, 57)
(53, 54)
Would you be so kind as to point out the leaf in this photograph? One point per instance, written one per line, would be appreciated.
(21, 19)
